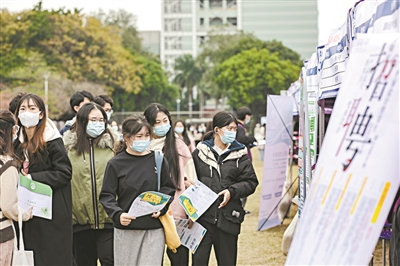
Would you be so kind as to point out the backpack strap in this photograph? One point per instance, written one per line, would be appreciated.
(158, 155)
(5, 166)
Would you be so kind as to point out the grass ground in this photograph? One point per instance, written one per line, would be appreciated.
(264, 248)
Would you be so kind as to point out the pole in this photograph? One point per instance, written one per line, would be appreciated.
(46, 91)
(178, 107)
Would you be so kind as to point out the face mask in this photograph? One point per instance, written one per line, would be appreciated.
(247, 121)
(94, 129)
(228, 137)
(115, 128)
(109, 115)
(140, 145)
(29, 119)
(14, 138)
(161, 131)
(179, 130)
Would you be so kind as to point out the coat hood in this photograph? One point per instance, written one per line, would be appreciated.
(70, 139)
(50, 132)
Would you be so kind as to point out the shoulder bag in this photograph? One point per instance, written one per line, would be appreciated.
(21, 256)
(172, 239)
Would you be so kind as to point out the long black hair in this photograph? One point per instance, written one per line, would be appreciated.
(170, 150)
(37, 144)
(220, 119)
(80, 126)
(131, 126)
(7, 123)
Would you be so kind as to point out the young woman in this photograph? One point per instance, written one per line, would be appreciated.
(9, 166)
(90, 146)
(180, 164)
(137, 241)
(180, 129)
(222, 164)
(42, 150)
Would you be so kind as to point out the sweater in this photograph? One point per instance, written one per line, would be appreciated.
(186, 167)
(9, 201)
(125, 178)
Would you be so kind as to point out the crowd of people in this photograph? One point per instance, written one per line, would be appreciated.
(96, 170)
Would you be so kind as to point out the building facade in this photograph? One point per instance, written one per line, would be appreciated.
(186, 24)
(151, 41)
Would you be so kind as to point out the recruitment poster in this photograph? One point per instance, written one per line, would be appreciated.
(357, 174)
(276, 156)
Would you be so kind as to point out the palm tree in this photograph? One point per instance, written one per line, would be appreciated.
(188, 75)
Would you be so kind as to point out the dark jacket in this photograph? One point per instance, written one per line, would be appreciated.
(231, 170)
(51, 240)
(242, 137)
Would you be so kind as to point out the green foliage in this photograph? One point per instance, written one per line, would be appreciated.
(248, 77)
(188, 73)
(125, 22)
(219, 48)
(155, 89)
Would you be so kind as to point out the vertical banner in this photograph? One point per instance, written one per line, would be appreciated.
(300, 155)
(357, 175)
(276, 156)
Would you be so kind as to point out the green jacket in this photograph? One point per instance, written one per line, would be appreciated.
(86, 207)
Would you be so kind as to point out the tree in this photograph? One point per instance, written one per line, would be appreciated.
(251, 75)
(155, 88)
(126, 23)
(188, 75)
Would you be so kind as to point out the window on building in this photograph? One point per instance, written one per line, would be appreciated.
(202, 39)
(215, 21)
(201, 3)
(165, 24)
(176, 25)
(230, 3)
(177, 7)
(201, 21)
(216, 3)
(232, 21)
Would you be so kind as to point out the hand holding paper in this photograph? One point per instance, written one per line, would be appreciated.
(195, 200)
(147, 203)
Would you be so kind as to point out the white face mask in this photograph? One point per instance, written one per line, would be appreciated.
(29, 119)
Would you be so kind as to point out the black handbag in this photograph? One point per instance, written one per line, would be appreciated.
(230, 218)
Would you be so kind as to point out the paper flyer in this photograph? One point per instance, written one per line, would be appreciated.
(36, 194)
(195, 200)
(190, 237)
(147, 203)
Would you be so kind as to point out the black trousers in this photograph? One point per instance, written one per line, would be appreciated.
(92, 245)
(225, 247)
(180, 258)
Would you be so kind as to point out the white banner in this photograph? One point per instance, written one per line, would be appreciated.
(357, 175)
(276, 156)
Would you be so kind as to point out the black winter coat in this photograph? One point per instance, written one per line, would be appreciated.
(51, 240)
(231, 170)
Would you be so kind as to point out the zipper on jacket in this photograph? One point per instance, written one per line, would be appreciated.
(94, 186)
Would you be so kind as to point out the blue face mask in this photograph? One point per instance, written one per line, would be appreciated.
(15, 138)
(94, 129)
(247, 121)
(179, 130)
(109, 113)
(161, 131)
(228, 137)
(140, 145)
